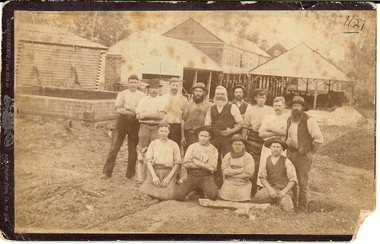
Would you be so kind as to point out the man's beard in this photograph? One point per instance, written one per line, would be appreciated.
(239, 98)
(198, 99)
(296, 115)
(221, 102)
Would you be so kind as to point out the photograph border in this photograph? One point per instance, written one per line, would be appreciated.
(7, 75)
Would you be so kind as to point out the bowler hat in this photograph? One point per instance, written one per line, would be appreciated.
(201, 86)
(154, 83)
(239, 86)
(299, 100)
(205, 128)
(260, 91)
(238, 137)
(269, 142)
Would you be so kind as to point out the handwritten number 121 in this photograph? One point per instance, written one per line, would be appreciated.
(355, 22)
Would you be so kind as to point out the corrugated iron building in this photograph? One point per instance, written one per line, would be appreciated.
(153, 56)
(47, 56)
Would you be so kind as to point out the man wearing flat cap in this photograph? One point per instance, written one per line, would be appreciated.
(194, 114)
(278, 177)
(175, 103)
(303, 137)
(126, 124)
(238, 167)
(150, 112)
(253, 119)
(239, 93)
(225, 119)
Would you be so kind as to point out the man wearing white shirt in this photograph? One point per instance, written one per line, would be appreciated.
(175, 103)
(126, 124)
(150, 112)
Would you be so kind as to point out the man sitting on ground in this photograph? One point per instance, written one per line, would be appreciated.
(201, 159)
(162, 159)
(278, 177)
(237, 166)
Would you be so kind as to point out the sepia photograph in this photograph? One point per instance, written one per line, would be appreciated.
(234, 122)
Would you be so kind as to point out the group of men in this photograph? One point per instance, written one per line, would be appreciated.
(235, 147)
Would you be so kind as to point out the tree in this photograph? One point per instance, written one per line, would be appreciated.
(105, 28)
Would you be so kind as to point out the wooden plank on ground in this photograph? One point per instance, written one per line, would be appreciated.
(227, 204)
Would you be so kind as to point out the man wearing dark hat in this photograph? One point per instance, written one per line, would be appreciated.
(278, 177)
(201, 160)
(175, 103)
(304, 137)
(238, 167)
(126, 124)
(253, 118)
(150, 112)
(225, 119)
(194, 114)
(239, 93)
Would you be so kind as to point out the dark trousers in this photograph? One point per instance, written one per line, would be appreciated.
(254, 146)
(197, 180)
(125, 125)
(222, 143)
(302, 163)
(191, 138)
(175, 133)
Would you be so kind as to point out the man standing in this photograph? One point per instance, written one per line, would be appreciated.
(239, 94)
(225, 120)
(175, 103)
(150, 112)
(194, 114)
(253, 118)
(304, 137)
(126, 124)
(273, 125)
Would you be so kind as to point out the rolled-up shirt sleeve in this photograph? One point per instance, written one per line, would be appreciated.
(226, 162)
(263, 172)
(235, 112)
(314, 130)
(291, 171)
(213, 157)
(249, 168)
(208, 117)
(119, 100)
(177, 154)
(247, 118)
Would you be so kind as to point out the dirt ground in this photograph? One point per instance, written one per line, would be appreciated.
(58, 187)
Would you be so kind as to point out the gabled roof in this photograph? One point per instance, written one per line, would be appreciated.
(145, 52)
(229, 38)
(302, 62)
(48, 34)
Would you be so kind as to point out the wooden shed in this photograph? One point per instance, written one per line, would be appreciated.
(300, 70)
(236, 55)
(47, 56)
(153, 56)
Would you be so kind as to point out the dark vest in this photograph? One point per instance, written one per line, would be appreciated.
(243, 107)
(220, 121)
(277, 176)
(305, 142)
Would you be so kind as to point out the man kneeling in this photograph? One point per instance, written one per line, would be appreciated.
(162, 158)
(238, 167)
(278, 177)
(200, 160)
